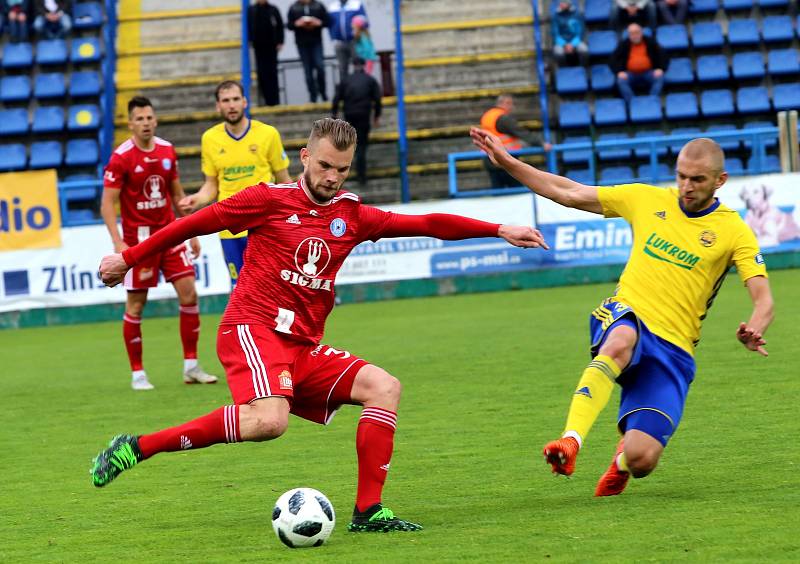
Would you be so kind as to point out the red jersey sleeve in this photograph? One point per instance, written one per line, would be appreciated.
(376, 223)
(114, 175)
(245, 210)
(175, 172)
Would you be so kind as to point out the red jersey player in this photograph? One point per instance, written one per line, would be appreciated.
(269, 336)
(142, 177)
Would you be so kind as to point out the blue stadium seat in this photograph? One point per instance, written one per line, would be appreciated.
(703, 6)
(78, 194)
(748, 65)
(84, 83)
(616, 175)
(15, 88)
(45, 154)
(773, 3)
(602, 78)
(571, 80)
(770, 163)
(733, 166)
(679, 71)
(644, 109)
(17, 55)
(645, 172)
(87, 15)
(85, 50)
(782, 62)
(726, 144)
(768, 142)
(48, 119)
(681, 105)
(613, 153)
(712, 68)
(597, 11)
(51, 52)
(576, 155)
(673, 37)
(582, 175)
(574, 114)
(737, 5)
(715, 103)
(643, 151)
(12, 157)
(776, 29)
(752, 100)
(83, 117)
(602, 43)
(49, 85)
(676, 146)
(610, 111)
(743, 32)
(707, 35)
(786, 96)
(81, 152)
(13, 122)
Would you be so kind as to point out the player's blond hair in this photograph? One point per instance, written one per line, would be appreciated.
(703, 147)
(341, 134)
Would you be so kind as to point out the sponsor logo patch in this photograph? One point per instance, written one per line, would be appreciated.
(285, 380)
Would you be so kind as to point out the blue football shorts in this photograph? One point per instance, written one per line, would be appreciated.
(233, 250)
(655, 382)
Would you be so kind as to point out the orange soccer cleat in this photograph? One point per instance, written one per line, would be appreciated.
(561, 455)
(614, 480)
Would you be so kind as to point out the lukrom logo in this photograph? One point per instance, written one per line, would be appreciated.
(310, 259)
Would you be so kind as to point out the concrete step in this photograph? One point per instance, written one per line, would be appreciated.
(167, 5)
(417, 12)
(489, 74)
(195, 63)
(179, 31)
(475, 41)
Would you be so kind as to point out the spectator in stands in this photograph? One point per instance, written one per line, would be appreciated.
(52, 20)
(363, 46)
(265, 28)
(360, 95)
(307, 18)
(341, 30)
(17, 15)
(626, 12)
(500, 122)
(568, 43)
(639, 63)
(673, 11)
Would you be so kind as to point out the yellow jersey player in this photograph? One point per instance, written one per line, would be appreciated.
(237, 153)
(643, 337)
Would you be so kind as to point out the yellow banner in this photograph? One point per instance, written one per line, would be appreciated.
(30, 217)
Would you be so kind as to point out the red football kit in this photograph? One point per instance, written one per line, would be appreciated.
(144, 179)
(268, 340)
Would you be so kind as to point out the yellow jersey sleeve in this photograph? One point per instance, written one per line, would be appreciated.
(747, 256)
(207, 164)
(276, 155)
(622, 200)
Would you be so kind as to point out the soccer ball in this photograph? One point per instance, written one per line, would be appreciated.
(303, 517)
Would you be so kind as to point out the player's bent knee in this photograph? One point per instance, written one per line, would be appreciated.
(268, 427)
(375, 386)
(641, 462)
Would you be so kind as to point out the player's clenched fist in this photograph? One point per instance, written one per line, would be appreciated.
(113, 269)
(522, 236)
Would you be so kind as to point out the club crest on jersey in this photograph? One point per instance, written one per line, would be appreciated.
(253, 148)
(338, 227)
(154, 191)
(166, 163)
(708, 238)
(310, 259)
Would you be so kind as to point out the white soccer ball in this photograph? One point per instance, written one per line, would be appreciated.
(303, 517)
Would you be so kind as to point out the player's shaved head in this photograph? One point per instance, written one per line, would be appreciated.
(341, 134)
(704, 148)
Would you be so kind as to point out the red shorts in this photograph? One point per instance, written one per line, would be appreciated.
(260, 363)
(173, 264)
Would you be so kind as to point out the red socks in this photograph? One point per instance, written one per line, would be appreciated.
(219, 426)
(132, 333)
(190, 329)
(374, 445)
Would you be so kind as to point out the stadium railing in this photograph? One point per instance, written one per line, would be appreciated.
(758, 137)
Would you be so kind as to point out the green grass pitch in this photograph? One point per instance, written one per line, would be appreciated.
(487, 381)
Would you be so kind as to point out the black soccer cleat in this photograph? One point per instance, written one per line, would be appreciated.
(123, 453)
(379, 519)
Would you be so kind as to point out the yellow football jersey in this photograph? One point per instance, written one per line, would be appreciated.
(678, 259)
(238, 163)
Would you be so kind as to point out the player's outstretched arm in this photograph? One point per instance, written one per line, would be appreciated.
(553, 187)
(751, 334)
(206, 194)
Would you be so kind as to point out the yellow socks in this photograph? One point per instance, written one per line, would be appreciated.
(591, 396)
